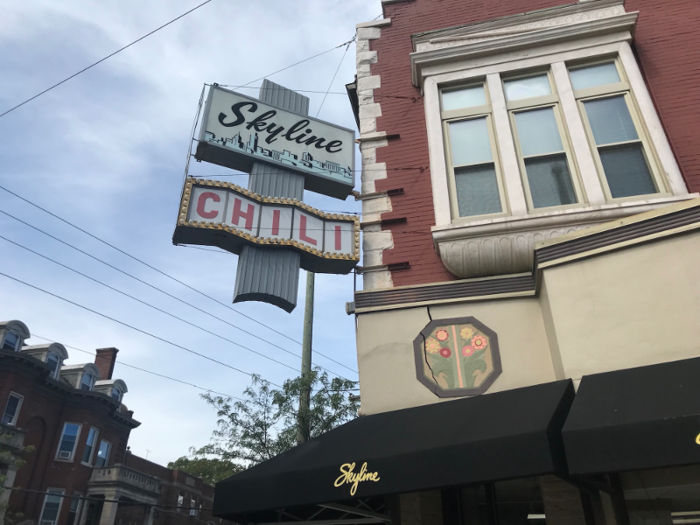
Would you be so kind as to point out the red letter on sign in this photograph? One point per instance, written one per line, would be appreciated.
(275, 222)
(302, 231)
(202, 203)
(338, 244)
(248, 215)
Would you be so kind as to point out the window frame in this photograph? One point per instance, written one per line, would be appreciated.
(109, 453)
(89, 462)
(546, 101)
(13, 422)
(18, 344)
(92, 382)
(52, 492)
(59, 362)
(464, 114)
(624, 89)
(574, 52)
(77, 496)
(75, 445)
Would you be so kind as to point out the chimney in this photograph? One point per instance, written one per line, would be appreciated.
(105, 359)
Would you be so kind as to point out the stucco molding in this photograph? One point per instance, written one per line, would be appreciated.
(522, 31)
(375, 240)
(507, 245)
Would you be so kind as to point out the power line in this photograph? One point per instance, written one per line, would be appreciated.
(325, 96)
(158, 289)
(160, 272)
(149, 334)
(146, 303)
(293, 65)
(142, 369)
(103, 59)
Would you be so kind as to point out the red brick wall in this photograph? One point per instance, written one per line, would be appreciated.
(668, 49)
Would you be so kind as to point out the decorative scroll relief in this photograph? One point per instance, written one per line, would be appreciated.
(471, 35)
(496, 254)
(457, 357)
(225, 215)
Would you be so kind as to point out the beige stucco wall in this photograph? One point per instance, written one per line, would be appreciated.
(633, 307)
(636, 306)
(386, 357)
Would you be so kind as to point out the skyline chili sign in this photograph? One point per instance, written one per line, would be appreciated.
(216, 213)
(238, 130)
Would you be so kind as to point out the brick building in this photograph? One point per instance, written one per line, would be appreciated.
(73, 427)
(527, 332)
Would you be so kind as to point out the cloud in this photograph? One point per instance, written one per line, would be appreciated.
(107, 150)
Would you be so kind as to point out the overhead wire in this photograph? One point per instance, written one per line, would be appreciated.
(103, 59)
(132, 327)
(122, 363)
(145, 303)
(325, 96)
(162, 273)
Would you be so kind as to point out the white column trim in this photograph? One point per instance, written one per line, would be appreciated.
(653, 123)
(579, 140)
(436, 147)
(515, 194)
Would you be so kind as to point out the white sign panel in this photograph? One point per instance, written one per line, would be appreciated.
(238, 130)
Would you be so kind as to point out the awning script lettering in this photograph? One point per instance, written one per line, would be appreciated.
(352, 478)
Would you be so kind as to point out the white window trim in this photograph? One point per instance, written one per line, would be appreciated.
(79, 497)
(19, 340)
(52, 492)
(501, 64)
(89, 462)
(75, 446)
(19, 407)
(109, 452)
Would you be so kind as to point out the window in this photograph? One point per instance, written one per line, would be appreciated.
(87, 381)
(116, 394)
(103, 453)
(541, 146)
(10, 341)
(475, 180)
(14, 403)
(52, 506)
(620, 148)
(54, 361)
(69, 439)
(74, 511)
(90, 446)
(193, 507)
(180, 499)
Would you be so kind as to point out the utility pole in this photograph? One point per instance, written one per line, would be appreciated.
(305, 399)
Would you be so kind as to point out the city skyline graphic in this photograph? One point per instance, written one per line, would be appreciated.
(307, 161)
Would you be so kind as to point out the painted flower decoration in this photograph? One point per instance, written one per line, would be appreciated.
(468, 350)
(442, 335)
(467, 333)
(432, 346)
(445, 352)
(479, 342)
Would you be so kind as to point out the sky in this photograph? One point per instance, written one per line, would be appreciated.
(107, 150)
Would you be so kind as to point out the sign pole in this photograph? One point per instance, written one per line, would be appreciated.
(303, 430)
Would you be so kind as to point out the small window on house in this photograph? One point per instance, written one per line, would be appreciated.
(180, 500)
(14, 403)
(620, 147)
(87, 381)
(90, 446)
(74, 511)
(116, 394)
(52, 506)
(10, 341)
(69, 440)
(54, 361)
(474, 173)
(541, 146)
(103, 454)
(193, 507)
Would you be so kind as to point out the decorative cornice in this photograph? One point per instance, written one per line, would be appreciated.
(604, 238)
(529, 30)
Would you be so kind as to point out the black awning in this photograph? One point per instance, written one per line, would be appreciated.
(635, 419)
(492, 437)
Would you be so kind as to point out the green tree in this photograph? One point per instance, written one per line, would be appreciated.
(211, 470)
(264, 423)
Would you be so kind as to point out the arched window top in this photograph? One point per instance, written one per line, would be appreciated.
(114, 388)
(87, 381)
(12, 335)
